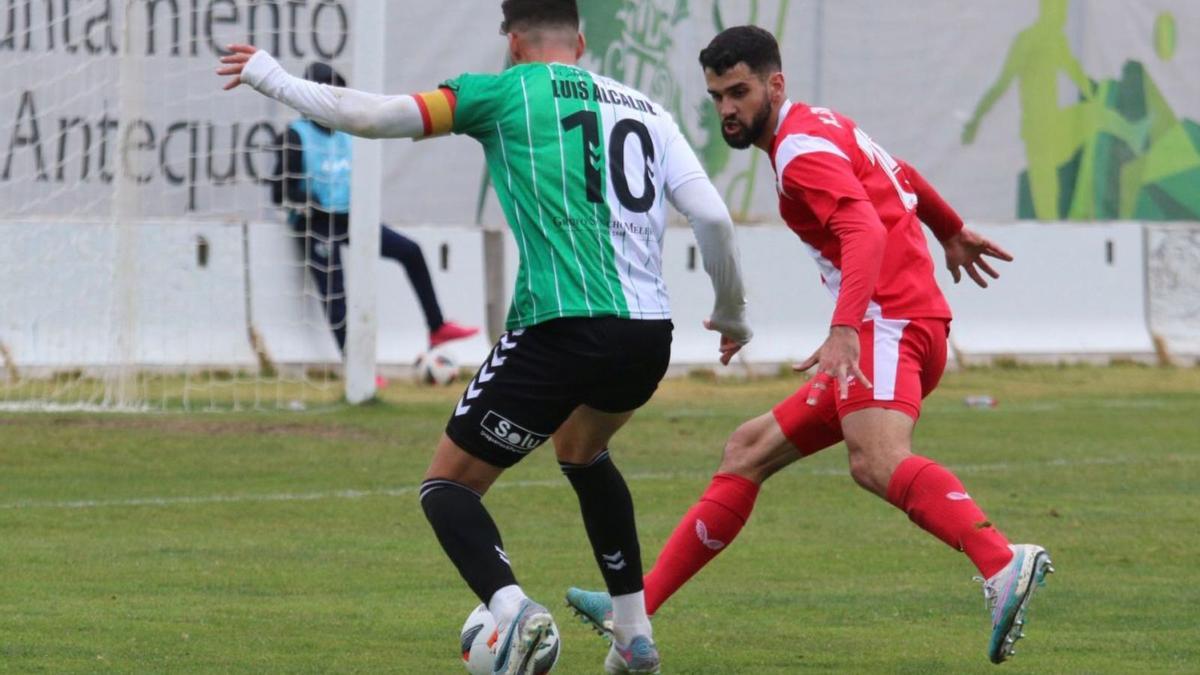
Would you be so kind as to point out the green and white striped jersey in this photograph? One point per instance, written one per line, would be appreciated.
(582, 166)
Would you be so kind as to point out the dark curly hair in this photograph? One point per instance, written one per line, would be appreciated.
(751, 45)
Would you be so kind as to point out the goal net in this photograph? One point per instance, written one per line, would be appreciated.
(144, 263)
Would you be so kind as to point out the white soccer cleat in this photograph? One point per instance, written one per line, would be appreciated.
(528, 645)
(1008, 593)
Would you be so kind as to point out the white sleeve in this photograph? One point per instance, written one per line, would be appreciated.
(698, 200)
(349, 110)
(680, 163)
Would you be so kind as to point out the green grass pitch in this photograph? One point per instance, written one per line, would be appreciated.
(293, 541)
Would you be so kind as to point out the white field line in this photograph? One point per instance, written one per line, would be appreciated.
(995, 467)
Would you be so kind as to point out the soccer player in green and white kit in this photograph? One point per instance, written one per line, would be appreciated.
(582, 166)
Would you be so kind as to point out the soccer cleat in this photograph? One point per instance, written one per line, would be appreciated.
(1007, 596)
(641, 656)
(528, 645)
(593, 608)
(450, 331)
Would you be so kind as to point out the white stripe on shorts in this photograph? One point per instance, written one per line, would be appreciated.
(887, 357)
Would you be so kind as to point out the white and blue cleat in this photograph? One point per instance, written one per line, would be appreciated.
(595, 609)
(1007, 595)
(641, 656)
(529, 644)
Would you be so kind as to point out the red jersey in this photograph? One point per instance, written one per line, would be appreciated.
(822, 161)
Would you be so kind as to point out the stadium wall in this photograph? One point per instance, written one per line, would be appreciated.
(1099, 96)
(220, 296)
(1075, 292)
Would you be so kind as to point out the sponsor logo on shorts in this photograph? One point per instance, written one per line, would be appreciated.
(507, 434)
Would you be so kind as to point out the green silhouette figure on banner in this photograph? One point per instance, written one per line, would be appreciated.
(1118, 152)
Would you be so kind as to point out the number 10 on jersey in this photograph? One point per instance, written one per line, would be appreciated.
(588, 121)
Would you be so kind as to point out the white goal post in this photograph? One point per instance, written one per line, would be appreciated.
(365, 195)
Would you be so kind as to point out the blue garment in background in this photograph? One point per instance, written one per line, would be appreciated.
(327, 162)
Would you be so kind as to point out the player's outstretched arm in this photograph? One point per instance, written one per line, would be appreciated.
(699, 201)
(965, 249)
(349, 110)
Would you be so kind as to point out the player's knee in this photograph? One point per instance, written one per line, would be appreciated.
(872, 470)
(575, 451)
(574, 445)
(744, 454)
(861, 469)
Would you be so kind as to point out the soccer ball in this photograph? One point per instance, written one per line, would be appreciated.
(478, 637)
(435, 368)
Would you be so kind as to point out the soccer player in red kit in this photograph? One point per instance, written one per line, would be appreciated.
(858, 211)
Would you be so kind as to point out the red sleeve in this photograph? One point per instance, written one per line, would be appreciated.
(863, 239)
(942, 220)
(822, 180)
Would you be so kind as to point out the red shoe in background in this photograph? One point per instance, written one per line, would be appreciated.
(450, 331)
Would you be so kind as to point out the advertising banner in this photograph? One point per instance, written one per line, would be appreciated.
(1015, 109)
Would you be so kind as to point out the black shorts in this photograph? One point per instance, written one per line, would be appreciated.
(535, 377)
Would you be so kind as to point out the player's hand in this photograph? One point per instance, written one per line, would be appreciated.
(728, 346)
(836, 359)
(966, 251)
(234, 63)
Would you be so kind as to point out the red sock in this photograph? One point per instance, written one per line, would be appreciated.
(937, 502)
(704, 532)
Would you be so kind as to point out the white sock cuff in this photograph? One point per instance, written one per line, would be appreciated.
(506, 602)
(629, 616)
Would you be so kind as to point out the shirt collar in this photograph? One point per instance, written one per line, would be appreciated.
(783, 113)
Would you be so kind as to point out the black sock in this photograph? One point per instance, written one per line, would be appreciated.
(607, 509)
(468, 536)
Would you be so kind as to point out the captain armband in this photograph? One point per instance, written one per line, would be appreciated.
(437, 111)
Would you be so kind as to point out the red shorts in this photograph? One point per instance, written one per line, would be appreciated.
(904, 359)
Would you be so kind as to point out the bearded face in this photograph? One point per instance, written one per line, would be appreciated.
(741, 134)
(743, 101)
